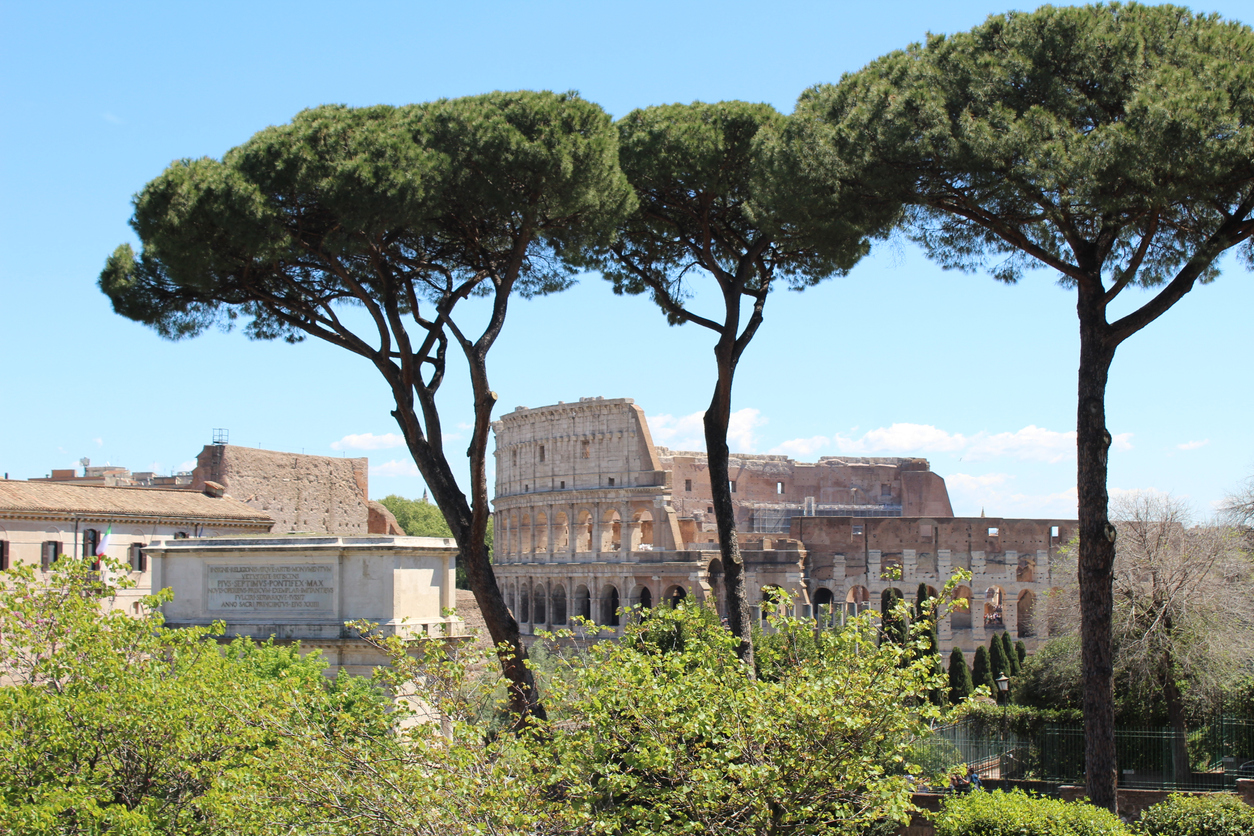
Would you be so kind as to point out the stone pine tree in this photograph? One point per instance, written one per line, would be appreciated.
(982, 670)
(960, 684)
(1112, 145)
(366, 227)
(1008, 652)
(702, 220)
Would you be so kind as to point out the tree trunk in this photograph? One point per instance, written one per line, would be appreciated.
(1097, 550)
(469, 533)
(717, 419)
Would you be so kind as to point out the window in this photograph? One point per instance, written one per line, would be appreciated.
(137, 558)
(180, 535)
(925, 531)
(1053, 531)
(733, 485)
(688, 485)
(611, 481)
(4, 555)
(585, 449)
(526, 488)
(541, 452)
(91, 537)
(992, 532)
(857, 531)
(563, 483)
(710, 510)
(779, 488)
(886, 489)
(514, 458)
(48, 554)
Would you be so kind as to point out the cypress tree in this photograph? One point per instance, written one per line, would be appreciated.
(1021, 652)
(893, 629)
(982, 671)
(1012, 659)
(997, 658)
(959, 677)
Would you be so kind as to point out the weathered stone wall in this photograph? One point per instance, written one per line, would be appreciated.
(306, 494)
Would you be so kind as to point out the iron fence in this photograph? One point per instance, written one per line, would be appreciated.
(1218, 753)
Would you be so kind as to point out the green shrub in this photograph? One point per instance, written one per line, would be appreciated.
(1198, 815)
(1019, 814)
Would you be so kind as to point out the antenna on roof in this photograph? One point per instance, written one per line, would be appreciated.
(221, 436)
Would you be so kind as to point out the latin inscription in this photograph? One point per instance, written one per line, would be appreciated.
(304, 589)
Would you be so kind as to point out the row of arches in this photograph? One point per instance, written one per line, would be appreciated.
(858, 600)
(537, 534)
(537, 604)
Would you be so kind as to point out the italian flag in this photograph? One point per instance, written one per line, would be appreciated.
(104, 543)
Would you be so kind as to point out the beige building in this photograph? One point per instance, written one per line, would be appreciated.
(590, 516)
(303, 588)
(40, 521)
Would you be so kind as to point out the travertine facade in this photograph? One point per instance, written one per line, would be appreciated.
(591, 517)
(304, 494)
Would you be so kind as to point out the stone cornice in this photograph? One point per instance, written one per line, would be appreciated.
(574, 496)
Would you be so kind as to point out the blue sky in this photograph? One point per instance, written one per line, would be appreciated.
(899, 358)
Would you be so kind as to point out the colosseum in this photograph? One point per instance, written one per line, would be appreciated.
(591, 517)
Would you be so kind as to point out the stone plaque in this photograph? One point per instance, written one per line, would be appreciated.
(305, 590)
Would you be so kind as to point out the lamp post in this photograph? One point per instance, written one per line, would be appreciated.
(1003, 685)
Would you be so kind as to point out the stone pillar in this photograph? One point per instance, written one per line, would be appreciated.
(595, 545)
(909, 565)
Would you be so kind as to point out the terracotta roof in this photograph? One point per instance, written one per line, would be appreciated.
(61, 499)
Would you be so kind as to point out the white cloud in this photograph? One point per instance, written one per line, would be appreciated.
(187, 466)
(1193, 445)
(99, 441)
(994, 493)
(802, 448)
(396, 467)
(1122, 441)
(368, 441)
(901, 438)
(687, 432)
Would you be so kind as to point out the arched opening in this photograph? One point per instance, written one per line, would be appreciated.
(524, 534)
(643, 597)
(609, 605)
(857, 600)
(674, 594)
(1027, 606)
(824, 606)
(583, 603)
(561, 532)
(1026, 573)
(774, 600)
(537, 597)
(557, 600)
(994, 597)
(641, 530)
(960, 617)
(583, 531)
(524, 604)
(542, 532)
(611, 531)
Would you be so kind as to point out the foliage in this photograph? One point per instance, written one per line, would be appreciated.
(1019, 814)
(1198, 815)
(419, 518)
(1021, 653)
(1009, 654)
(892, 622)
(982, 718)
(110, 723)
(818, 748)
(982, 670)
(1051, 677)
(998, 664)
(960, 684)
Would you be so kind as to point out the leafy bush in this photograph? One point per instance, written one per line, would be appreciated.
(1198, 815)
(1019, 814)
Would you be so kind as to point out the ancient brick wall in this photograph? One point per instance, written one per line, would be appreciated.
(308, 494)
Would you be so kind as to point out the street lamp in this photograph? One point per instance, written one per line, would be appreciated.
(1003, 685)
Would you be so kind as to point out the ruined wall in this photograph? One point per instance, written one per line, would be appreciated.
(889, 486)
(307, 494)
